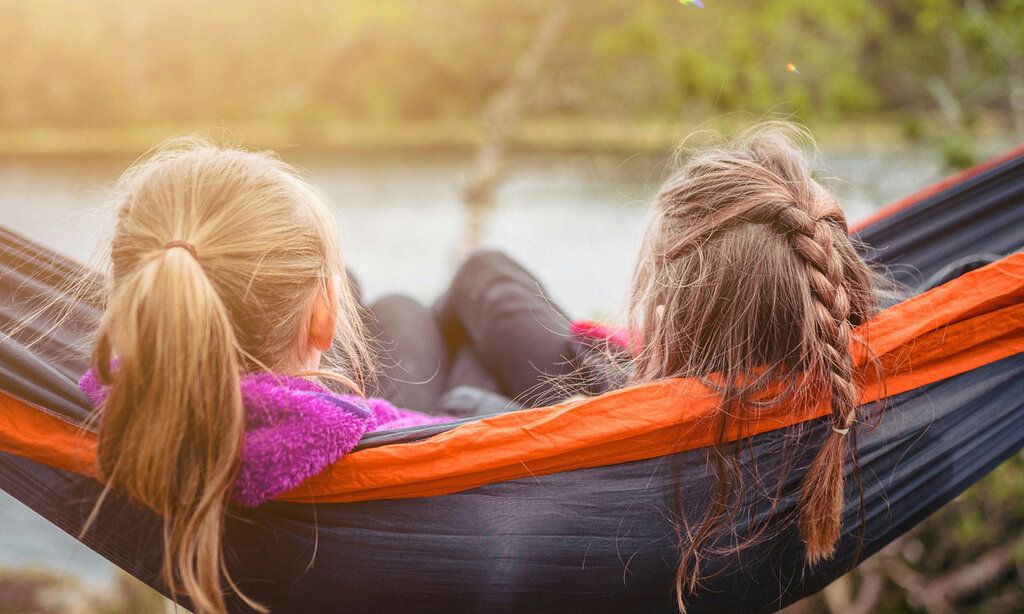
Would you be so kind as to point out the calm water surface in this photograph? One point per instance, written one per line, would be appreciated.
(576, 221)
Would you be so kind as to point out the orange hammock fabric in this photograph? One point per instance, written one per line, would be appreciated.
(967, 323)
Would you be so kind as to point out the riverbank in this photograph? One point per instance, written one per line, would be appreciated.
(541, 134)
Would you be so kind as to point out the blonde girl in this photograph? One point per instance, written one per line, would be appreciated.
(226, 289)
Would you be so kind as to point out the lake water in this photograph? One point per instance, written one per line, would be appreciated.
(575, 220)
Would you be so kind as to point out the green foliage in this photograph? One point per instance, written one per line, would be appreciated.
(912, 127)
(123, 63)
(958, 153)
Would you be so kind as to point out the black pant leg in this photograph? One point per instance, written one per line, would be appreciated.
(519, 335)
(465, 369)
(412, 355)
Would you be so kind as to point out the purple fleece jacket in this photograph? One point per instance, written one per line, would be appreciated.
(294, 428)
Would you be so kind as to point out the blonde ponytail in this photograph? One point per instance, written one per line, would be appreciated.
(171, 428)
(217, 255)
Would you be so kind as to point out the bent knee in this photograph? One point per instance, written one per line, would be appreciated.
(485, 260)
(480, 269)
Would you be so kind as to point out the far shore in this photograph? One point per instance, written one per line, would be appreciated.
(541, 134)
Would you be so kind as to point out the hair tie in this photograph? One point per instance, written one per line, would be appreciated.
(850, 418)
(184, 245)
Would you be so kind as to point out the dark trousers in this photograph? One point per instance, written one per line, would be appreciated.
(494, 330)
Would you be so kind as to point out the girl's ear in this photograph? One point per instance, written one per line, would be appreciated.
(322, 323)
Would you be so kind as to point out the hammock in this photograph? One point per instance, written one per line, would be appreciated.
(569, 507)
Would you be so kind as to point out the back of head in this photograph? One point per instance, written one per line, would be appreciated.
(748, 278)
(217, 257)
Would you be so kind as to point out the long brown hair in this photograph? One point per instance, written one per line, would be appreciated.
(748, 279)
(217, 257)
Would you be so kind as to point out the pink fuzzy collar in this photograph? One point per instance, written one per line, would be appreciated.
(294, 429)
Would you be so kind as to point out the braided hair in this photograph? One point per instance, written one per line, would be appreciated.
(749, 280)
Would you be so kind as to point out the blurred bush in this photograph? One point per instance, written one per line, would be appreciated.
(32, 591)
(968, 557)
(123, 62)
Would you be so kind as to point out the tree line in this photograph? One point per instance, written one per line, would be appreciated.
(123, 62)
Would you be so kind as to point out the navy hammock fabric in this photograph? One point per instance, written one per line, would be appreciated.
(598, 538)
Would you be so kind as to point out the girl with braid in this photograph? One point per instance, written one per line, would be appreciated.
(748, 280)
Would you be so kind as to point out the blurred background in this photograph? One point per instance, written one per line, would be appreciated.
(542, 127)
